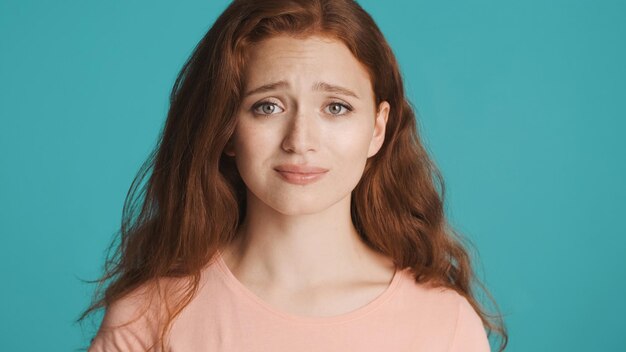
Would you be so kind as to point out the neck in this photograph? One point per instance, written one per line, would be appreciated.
(304, 250)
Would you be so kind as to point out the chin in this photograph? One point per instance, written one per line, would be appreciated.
(306, 204)
(301, 208)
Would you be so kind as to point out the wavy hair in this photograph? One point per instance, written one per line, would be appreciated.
(194, 199)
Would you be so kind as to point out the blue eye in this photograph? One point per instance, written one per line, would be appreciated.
(340, 106)
(262, 105)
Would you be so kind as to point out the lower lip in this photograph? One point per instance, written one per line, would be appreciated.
(300, 179)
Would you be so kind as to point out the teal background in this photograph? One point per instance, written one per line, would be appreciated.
(521, 104)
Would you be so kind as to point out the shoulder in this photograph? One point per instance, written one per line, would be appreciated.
(446, 314)
(469, 332)
(427, 298)
(134, 321)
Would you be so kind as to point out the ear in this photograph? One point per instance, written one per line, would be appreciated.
(379, 128)
(228, 149)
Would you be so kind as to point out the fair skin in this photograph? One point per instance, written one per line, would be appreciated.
(298, 249)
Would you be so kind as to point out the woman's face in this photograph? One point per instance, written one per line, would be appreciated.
(307, 102)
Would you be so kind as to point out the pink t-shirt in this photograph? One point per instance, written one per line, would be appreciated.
(226, 316)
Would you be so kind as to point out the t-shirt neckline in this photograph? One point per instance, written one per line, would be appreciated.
(239, 287)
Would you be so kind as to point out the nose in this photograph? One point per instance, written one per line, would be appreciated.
(301, 134)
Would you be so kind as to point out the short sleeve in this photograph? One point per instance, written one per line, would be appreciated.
(469, 334)
(129, 325)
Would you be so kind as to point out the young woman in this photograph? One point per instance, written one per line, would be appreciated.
(291, 205)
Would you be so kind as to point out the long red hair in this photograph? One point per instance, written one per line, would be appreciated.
(194, 198)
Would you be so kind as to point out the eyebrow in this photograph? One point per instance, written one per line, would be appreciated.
(317, 86)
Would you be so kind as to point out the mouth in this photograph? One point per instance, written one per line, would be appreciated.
(300, 169)
(300, 175)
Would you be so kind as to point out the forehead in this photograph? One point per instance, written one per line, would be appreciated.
(301, 61)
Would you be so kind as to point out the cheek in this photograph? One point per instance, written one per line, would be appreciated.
(350, 152)
(251, 142)
(352, 142)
